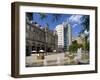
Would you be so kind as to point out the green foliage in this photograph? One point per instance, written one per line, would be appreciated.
(42, 16)
(75, 46)
(85, 23)
(86, 46)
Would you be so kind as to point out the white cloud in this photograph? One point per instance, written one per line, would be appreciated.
(74, 25)
(75, 18)
(86, 32)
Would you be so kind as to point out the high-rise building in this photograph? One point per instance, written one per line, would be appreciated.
(69, 34)
(64, 32)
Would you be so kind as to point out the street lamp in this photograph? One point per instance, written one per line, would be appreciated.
(46, 39)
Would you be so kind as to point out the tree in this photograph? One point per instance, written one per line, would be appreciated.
(87, 46)
(85, 23)
(73, 47)
(43, 15)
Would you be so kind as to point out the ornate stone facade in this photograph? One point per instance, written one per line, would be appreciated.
(40, 38)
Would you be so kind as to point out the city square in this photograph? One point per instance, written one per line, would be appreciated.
(56, 46)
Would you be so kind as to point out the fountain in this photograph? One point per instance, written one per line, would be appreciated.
(78, 55)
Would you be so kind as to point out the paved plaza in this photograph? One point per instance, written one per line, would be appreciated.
(53, 59)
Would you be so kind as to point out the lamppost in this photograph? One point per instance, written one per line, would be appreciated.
(45, 40)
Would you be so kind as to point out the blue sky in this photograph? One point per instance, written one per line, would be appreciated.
(74, 19)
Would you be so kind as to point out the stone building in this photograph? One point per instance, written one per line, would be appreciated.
(39, 38)
(80, 39)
